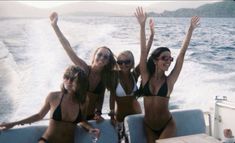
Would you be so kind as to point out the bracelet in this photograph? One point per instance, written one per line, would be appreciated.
(111, 113)
(98, 112)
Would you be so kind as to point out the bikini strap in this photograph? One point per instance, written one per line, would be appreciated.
(61, 98)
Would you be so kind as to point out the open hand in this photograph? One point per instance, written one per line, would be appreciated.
(54, 18)
(151, 26)
(95, 132)
(141, 16)
(195, 22)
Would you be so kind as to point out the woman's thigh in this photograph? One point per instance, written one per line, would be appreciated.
(150, 134)
(169, 130)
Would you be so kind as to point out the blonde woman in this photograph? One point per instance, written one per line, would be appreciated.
(124, 87)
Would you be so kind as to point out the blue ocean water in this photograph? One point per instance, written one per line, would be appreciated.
(33, 61)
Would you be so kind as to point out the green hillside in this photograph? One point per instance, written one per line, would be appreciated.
(219, 9)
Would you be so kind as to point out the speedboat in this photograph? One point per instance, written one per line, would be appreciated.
(188, 122)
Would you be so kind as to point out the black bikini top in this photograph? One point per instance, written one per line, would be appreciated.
(162, 91)
(57, 116)
(99, 88)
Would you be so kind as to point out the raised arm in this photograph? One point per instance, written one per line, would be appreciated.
(148, 46)
(150, 41)
(180, 59)
(34, 118)
(141, 17)
(65, 43)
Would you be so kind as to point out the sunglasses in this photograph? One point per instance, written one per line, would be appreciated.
(69, 77)
(166, 58)
(105, 56)
(126, 62)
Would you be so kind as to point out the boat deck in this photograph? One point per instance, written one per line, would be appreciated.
(197, 138)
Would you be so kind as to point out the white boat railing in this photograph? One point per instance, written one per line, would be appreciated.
(226, 104)
(208, 122)
(224, 117)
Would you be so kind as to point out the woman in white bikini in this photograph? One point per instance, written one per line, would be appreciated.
(124, 87)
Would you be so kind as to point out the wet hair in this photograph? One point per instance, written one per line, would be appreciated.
(128, 54)
(155, 54)
(107, 70)
(80, 81)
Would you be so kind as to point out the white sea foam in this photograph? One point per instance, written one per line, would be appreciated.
(3, 51)
(34, 60)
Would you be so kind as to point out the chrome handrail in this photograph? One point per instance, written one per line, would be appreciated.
(226, 105)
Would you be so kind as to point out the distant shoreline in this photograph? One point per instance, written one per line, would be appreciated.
(224, 9)
(7, 18)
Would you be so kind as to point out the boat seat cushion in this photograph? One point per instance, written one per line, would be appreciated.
(187, 122)
(31, 134)
(24, 134)
(108, 134)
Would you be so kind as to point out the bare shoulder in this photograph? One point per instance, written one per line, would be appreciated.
(52, 96)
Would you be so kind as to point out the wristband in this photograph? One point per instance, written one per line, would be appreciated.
(111, 113)
(98, 112)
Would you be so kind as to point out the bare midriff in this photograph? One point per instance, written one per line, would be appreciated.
(92, 99)
(126, 105)
(60, 132)
(156, 111)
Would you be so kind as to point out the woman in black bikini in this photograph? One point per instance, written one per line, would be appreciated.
(67, 108)
(156, 86)
(98, 72)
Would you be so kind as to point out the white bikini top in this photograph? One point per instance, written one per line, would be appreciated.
(120, 92)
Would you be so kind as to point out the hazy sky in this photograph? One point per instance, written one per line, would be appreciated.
(50, 4)
(45, 4)
(44, 8)
(164, 4)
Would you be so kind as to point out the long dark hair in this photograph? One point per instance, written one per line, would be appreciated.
(155, 54)
(151, 66)
(81, 81)
(106, 73)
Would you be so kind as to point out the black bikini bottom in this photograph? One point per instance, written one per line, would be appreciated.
(90, 117)
(162, 128)
(43, 139)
